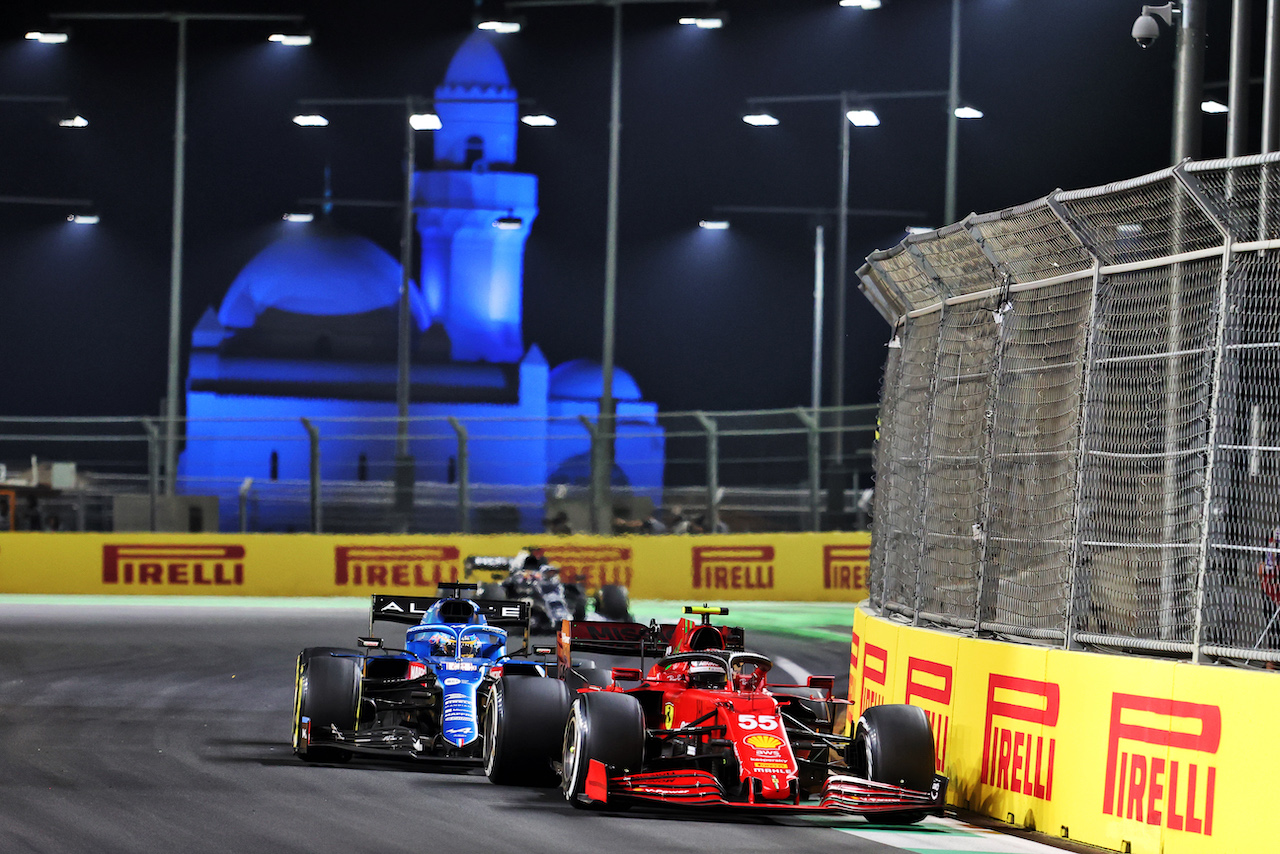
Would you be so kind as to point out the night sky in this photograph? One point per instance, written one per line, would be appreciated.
(705, 320)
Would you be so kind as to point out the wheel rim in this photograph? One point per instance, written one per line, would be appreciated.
(490, 731)
(297, 710)
(571, 756)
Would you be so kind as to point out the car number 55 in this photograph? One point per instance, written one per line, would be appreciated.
(764, 722)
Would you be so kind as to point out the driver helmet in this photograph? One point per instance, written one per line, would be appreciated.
(706, 674)
(442, 644)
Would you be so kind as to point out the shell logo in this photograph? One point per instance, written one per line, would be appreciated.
(764, 742)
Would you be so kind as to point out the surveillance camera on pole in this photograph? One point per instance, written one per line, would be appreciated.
(1146, 30)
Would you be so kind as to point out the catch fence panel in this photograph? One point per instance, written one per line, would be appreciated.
(1109, 393)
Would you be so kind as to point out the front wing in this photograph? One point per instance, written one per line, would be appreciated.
(841, 793)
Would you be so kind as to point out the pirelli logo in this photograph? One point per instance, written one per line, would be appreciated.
(844, 567)
(173, 565)
(1014, 757)
(394, 566)
(929, 687)
(875, 676)
(1160, 767)
(733, 567)
(592, 566)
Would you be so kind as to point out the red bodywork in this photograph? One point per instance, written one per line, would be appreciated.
(742, 718)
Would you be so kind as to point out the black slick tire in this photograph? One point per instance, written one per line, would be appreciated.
(613, 602)
(326, 694)
(524, 718)
(604, 726)
(893, 744)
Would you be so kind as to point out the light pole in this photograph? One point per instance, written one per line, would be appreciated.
(848, 116)
(603, 448)
(413, 121)
(179, 187)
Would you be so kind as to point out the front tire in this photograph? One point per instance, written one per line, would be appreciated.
(326, 694)
(604, 726)
(893, 744)
(523, 721)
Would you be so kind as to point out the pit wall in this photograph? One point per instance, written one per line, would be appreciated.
(1123, 752)
(800, 567)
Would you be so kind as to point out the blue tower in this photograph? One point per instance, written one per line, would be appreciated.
(474, 211)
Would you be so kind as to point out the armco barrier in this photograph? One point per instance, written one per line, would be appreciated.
(1122, 752)
(800, 567)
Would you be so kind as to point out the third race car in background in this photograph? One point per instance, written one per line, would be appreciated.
(529, 577)
(702, 726)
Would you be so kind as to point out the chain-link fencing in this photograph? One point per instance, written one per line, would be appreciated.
(1081, 417)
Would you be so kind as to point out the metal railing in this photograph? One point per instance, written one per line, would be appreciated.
(760, 470)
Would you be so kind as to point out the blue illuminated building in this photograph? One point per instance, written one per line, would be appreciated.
(309, 329)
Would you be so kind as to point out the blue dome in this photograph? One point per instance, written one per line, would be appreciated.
(582, 379)
(318, 270)
(477, 63)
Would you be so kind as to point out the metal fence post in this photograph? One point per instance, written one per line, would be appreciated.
(815, 466)
(1197, 193)
(313, 435)
(593, 484)
(713, 471)
(153, 468)
(464, 476)
(244, 504)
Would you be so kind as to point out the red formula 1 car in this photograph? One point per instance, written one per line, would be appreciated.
(703, 726)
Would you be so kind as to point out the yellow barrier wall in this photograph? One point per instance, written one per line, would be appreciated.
(1123, 752)
(800, 567)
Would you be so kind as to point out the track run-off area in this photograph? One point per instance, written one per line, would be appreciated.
(162, 724)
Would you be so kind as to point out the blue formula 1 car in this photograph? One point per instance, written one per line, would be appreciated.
(423, 701)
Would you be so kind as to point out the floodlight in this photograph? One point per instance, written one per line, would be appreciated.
(76, 121)
(299, 217)
(290, 40)
(1213, 107)
(47, 38)
(311, 121)
(425, 121)
(714, 224)
(83, 219)
(968, 113)
(863, 118)
(539, 121)
(760, 120)
(707, 23)
(508, 223)
(496, 26)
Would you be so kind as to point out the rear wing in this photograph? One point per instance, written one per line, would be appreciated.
(631, 640)
(409, 610)
(488, 567)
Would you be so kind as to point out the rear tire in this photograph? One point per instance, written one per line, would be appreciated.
(613, 602)
(893, 744)
(524, 719)
(326, 694)
(605, 726)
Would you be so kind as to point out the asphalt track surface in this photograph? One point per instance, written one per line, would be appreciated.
(144, 726)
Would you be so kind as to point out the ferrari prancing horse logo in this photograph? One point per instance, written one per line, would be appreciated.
(668, 715)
